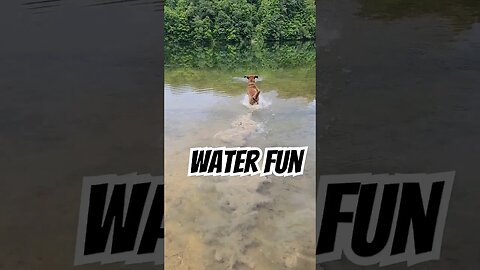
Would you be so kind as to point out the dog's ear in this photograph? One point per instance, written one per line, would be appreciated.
(245, 76)
(256, 77)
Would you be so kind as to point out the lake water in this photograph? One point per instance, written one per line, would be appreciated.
(238, 222)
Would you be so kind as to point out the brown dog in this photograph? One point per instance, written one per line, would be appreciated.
(252, 89)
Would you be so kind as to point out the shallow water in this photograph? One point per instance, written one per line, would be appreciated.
(237, 222)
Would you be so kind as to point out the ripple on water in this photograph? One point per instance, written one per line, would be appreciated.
(250, 222)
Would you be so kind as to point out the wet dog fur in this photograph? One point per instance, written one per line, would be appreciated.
(252, 90)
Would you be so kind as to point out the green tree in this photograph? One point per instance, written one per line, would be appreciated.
(238, 21)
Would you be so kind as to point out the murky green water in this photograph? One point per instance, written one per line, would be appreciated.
(269, 221)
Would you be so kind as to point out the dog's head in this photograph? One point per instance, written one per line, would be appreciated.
(251, 78)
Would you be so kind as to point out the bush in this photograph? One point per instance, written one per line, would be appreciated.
(207, 22)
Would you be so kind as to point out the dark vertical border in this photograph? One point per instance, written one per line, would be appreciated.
(317, 106)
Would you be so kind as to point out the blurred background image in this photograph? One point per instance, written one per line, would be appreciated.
(81, 94)
(397, 92)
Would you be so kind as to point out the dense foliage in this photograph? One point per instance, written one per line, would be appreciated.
(206, 22)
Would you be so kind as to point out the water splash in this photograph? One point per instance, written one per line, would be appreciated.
(263, 103)
(244, 126)
(242, 79)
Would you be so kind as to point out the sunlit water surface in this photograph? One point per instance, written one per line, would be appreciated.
(237, 222)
